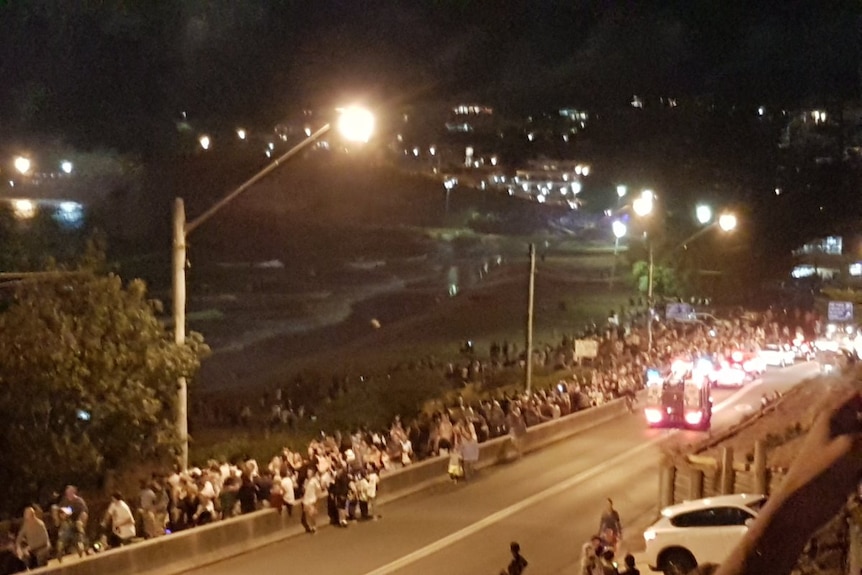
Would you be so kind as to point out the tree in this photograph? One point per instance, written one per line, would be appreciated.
(87, 381)
(665, 281)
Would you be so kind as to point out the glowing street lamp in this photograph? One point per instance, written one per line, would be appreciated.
(703, 214)
(356, 124)
(643, 204)
(622, 191)
(22, 164)
(619, 228)
(67, 167)
(241, 133)
(205, 142)
(727, 222)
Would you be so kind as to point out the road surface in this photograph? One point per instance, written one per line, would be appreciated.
(550, 502)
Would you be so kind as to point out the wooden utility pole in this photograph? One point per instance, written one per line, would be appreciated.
(530, 296)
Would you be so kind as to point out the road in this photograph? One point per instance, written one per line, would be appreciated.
(549, 502)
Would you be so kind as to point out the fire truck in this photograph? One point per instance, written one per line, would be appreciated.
(680, 396)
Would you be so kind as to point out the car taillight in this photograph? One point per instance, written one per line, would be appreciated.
(693, 417)
(653, 415)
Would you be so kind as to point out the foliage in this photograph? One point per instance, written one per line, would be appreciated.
(87, 380)
(665, 280)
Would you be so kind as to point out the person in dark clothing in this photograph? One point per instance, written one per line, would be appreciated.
(518, 563)
(630, 565)
(337, 502)
(247, 495)
(9, 561)
(263, 483)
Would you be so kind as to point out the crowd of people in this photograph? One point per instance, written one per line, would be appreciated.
(341, 472)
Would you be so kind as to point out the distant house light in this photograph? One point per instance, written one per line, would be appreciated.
(803, 271)
(855, 269)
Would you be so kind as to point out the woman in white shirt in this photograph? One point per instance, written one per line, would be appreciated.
(122, 522)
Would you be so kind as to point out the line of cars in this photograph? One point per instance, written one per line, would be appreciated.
(680, 396)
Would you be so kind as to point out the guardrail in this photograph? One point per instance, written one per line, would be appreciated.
(212, 543)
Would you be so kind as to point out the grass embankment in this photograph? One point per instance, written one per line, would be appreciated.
(393, 361)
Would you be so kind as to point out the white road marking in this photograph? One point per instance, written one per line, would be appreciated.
(506, 512)
(738, 393)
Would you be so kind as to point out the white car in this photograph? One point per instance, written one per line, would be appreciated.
(778, 355)
(699, 531)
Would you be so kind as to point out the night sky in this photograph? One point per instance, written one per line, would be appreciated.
(119, 72)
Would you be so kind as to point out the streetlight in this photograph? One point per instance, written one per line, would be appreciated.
(22, 164)
(241, 133)
(67, 167)
(354, 124)
(622, 191)
(643, 204)
(727, 222)
(703, 214)
(205, 142)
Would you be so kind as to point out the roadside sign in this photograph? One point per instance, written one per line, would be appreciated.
(586, 348)
(840, 311)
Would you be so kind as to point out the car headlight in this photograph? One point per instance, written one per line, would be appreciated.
(649, 535)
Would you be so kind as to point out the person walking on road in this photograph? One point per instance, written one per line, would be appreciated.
(518, 564)
(517, 430)
(590, 561)
(630, 566)
(610, 527)
(310, 494)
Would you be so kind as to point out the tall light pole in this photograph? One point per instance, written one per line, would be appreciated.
(531, 291)
(449, 184)
(643, 206)
(619, 229)
(355, 124)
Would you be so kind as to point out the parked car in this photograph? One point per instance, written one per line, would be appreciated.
(699, 531)
(778, 354)
(737, 369)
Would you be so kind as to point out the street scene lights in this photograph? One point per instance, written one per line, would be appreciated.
(354, 123)
(703, 214)
(22, 164)
(619, 228)
(67, 167)
(622, 191)
(643, 204)
(205, 142)
(727, 222)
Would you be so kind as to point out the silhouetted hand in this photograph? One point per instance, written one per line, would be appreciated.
(828, 466)
(825, 473)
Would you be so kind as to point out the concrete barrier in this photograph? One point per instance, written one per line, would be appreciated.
(218, 541)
